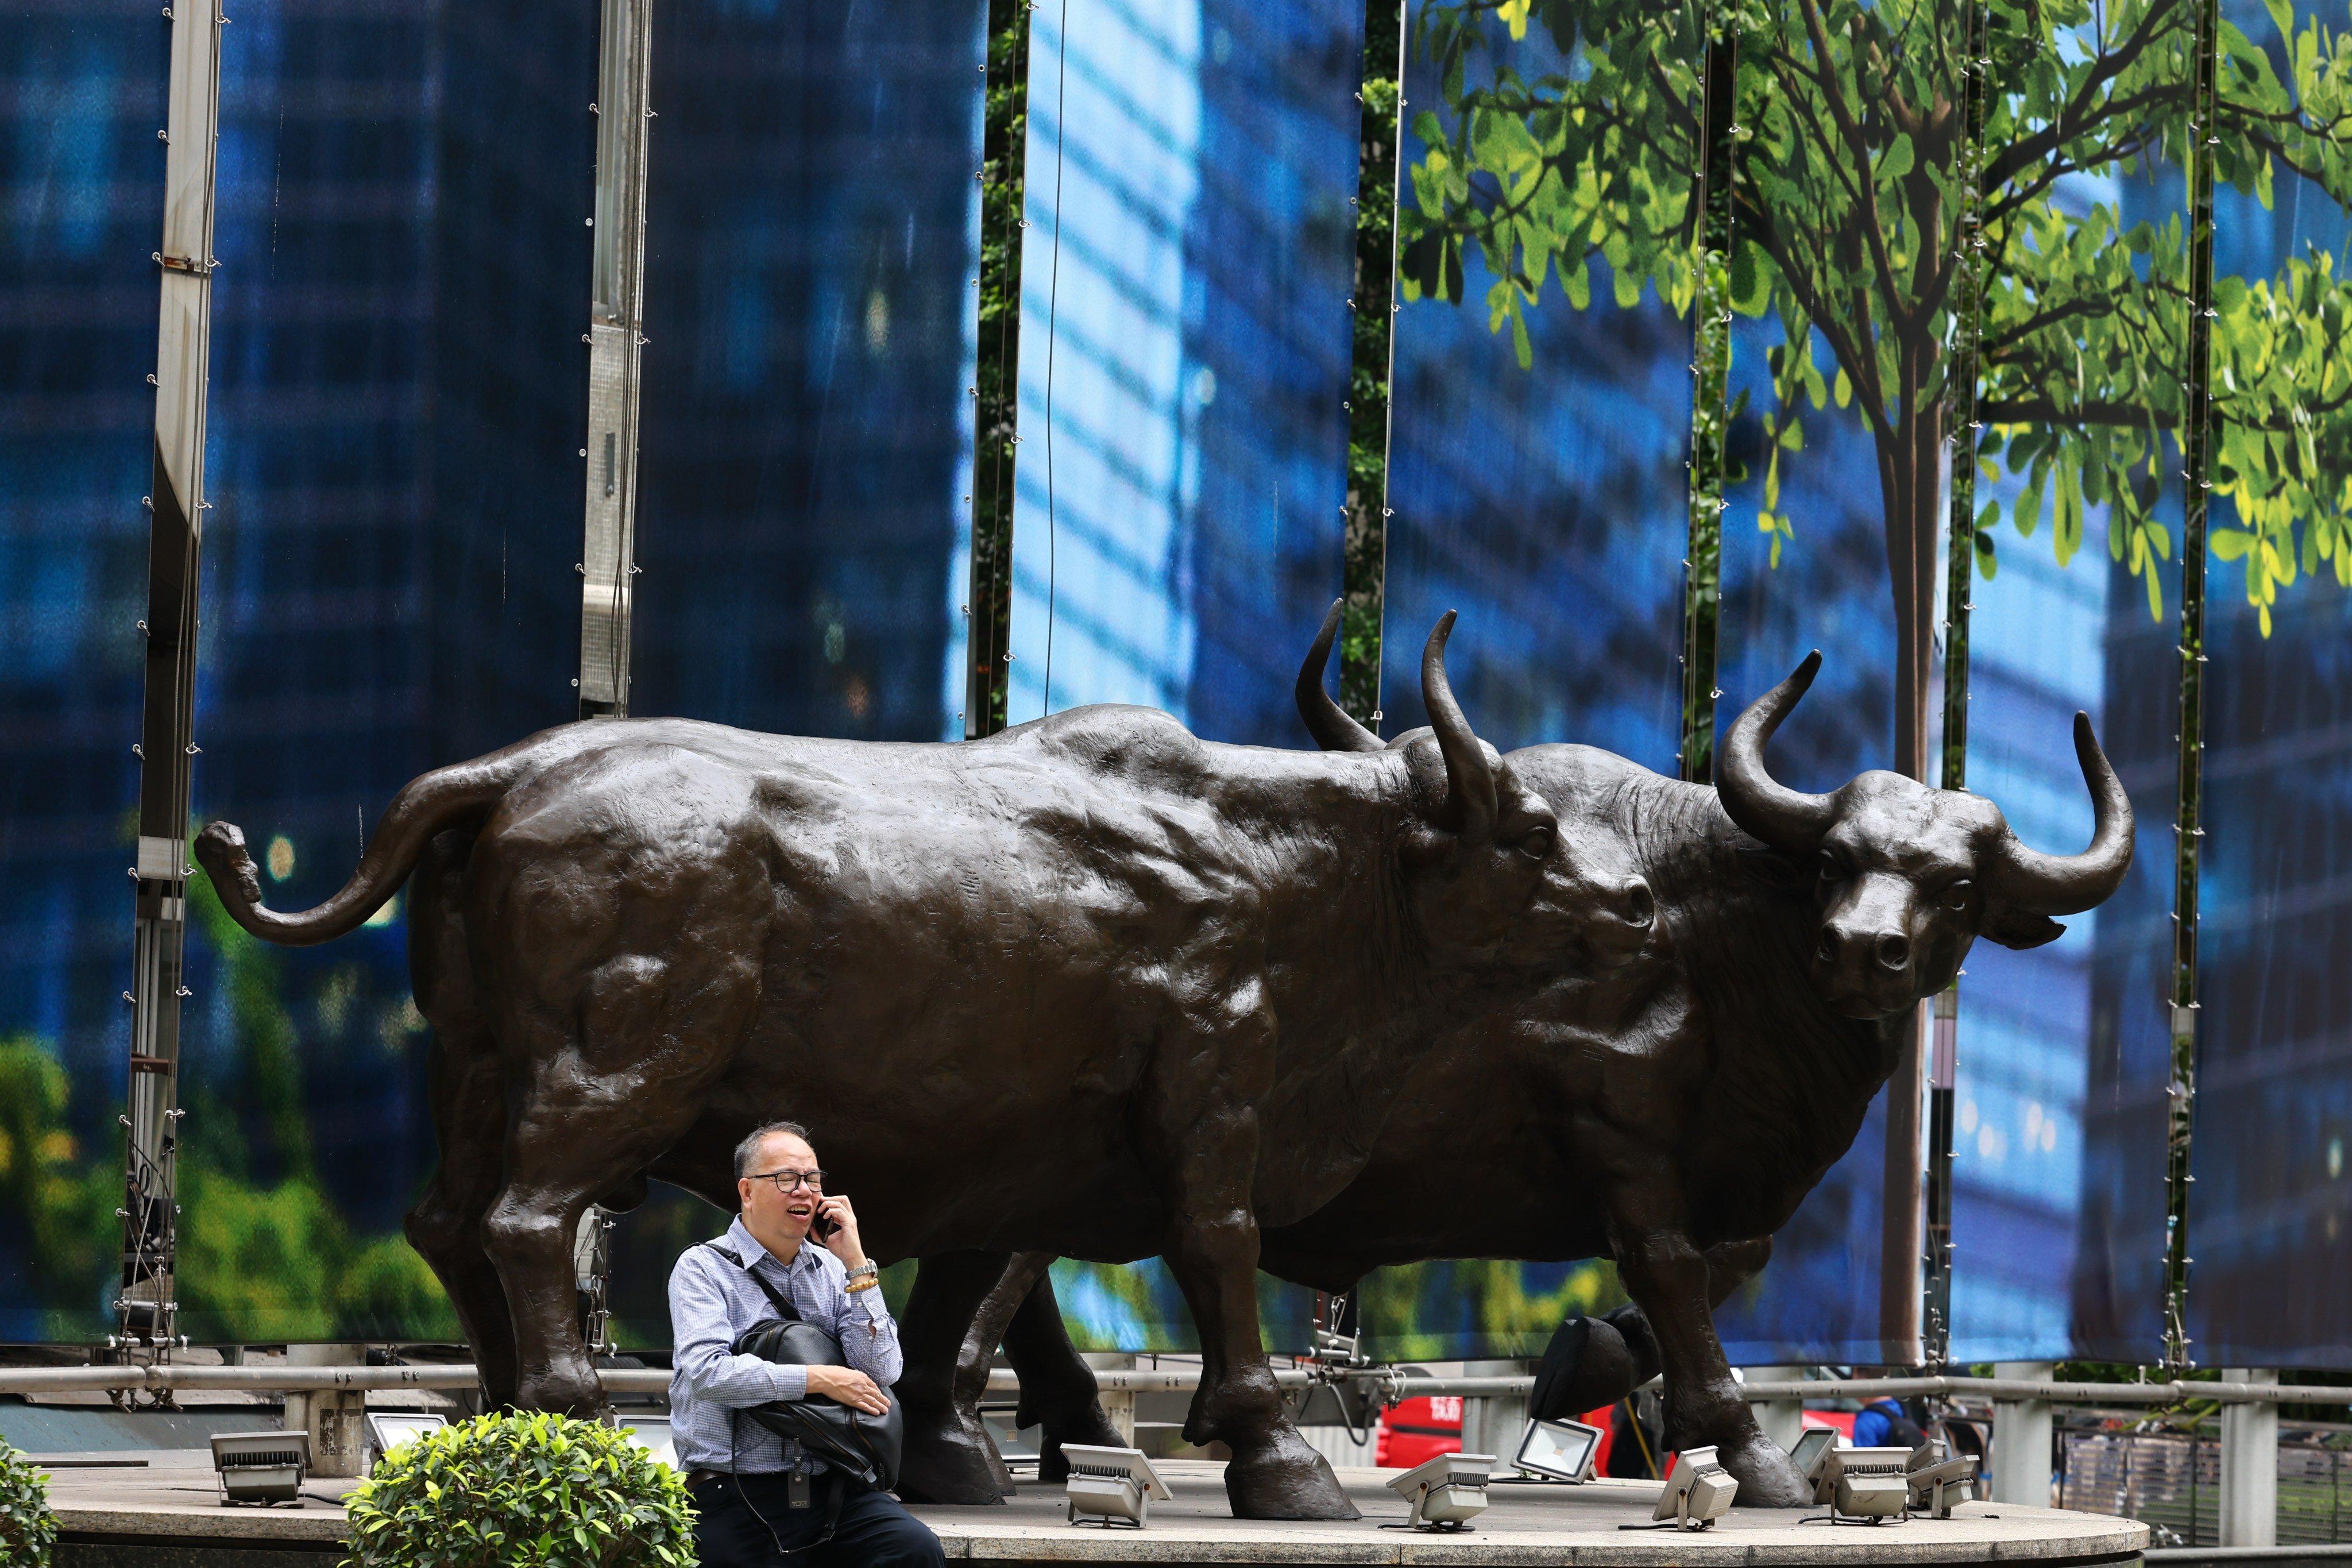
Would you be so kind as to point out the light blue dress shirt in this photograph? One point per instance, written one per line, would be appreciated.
(712, 1300)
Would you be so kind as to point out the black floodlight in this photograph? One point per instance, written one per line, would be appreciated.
(261, 1466)
(1937, 1483)
(1862, 1483)
(1809, 1443)
(1446, 1492)
(1698, 1490)
(1560, 1450)
(388, 1431)
(1112, 1485)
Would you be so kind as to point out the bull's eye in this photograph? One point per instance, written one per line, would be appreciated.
(1956, 896)
(1538, 842)
(1828, 868)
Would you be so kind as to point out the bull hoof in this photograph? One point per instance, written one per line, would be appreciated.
(565, 1392)
(1092, 1429)
(1768, 1477)
(1285, 1478)
(945, 1462)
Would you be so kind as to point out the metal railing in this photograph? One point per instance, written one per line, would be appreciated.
(1178, 1380)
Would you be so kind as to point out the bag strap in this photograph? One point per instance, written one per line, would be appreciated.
(784, 1309)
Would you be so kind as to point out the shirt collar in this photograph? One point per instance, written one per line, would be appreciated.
(747, 1246)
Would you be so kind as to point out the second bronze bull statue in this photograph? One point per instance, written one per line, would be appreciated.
(1672, 1113)
(1093, 986)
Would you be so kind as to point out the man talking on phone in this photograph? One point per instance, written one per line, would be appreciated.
(760, 1500)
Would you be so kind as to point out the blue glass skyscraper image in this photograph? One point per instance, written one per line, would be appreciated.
(1543, 502)
(2270, 1220)
(812, 235)
(81, 183)
(1184, 355)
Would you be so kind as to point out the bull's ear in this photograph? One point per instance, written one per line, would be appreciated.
(2015, 929)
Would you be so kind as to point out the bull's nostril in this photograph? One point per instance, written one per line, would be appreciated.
(1894, 951)
(1640, 908)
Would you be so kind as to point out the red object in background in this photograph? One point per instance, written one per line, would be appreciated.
(1601, 1418)
(1415, 1431)
(1838, 1421)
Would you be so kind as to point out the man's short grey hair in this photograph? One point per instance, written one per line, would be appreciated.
(748, 1151)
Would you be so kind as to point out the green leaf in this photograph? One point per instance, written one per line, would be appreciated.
(1896, 161)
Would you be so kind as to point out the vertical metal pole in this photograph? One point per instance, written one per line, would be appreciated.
(615, 338)
(146, 1310)
(1364, 555)
(995, 389)
(2249, 1512)
(1960, 389)
(1710, 377)
(2196, 438)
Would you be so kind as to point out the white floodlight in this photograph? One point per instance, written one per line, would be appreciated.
(1937, 1483)
(1698, 1490)
(1563, 1450)
(1112, 1484)
(261, 1466)
(1446, 1492)
(652, 1433)
(390, 1431)
(1861, 1483)
(1809, 1443)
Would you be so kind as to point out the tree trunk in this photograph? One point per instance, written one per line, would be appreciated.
(1910, 475)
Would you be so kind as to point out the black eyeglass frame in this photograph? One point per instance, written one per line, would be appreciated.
(812, 1180)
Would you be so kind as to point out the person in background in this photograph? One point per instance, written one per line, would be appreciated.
(1885, 1424)
(760, 1500)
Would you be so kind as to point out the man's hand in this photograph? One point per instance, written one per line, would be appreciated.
(844, 1243)
(850, 1386)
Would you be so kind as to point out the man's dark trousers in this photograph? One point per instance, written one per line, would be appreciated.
(747, 1521)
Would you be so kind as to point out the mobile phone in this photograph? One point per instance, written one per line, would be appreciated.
(823, 1225)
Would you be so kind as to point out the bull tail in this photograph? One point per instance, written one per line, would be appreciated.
(439, 799)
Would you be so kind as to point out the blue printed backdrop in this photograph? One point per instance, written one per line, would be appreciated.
(1546, 504)
(1184, 355)
(812, 239)
(2271, 1221)
(1825, 587)
(398, 392)
(81, 176)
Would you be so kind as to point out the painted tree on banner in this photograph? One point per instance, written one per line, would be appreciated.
(1847, 143)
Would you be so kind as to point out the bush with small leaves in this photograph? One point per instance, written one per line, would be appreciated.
(521, 1489)
(27, 1529)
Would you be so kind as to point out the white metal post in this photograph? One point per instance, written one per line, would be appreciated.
(2021, 1439)
(1493, 1424)
(614, 337)
(146, 1309)
(1783, 1420)
(2249, 1467)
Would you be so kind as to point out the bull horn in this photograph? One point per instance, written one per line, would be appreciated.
(1469, 781)
(2068, 884)
(1333, 729)
(1783, 818)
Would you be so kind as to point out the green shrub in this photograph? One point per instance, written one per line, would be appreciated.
(27, 1529)
(521, 1489)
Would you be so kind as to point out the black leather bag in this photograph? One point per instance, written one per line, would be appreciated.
(850, 1440)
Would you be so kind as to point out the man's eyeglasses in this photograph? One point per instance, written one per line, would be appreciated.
(792, 1181)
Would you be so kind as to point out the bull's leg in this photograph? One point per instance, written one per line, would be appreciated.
(1204, 1135)
(445, 1227)
(1059, 1392)
(954, 1319)
(468, 1093)
(653, 1035)
(1671, 1280)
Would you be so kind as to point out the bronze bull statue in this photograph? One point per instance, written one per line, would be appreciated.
(1091, 987)
(1670, 1113)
